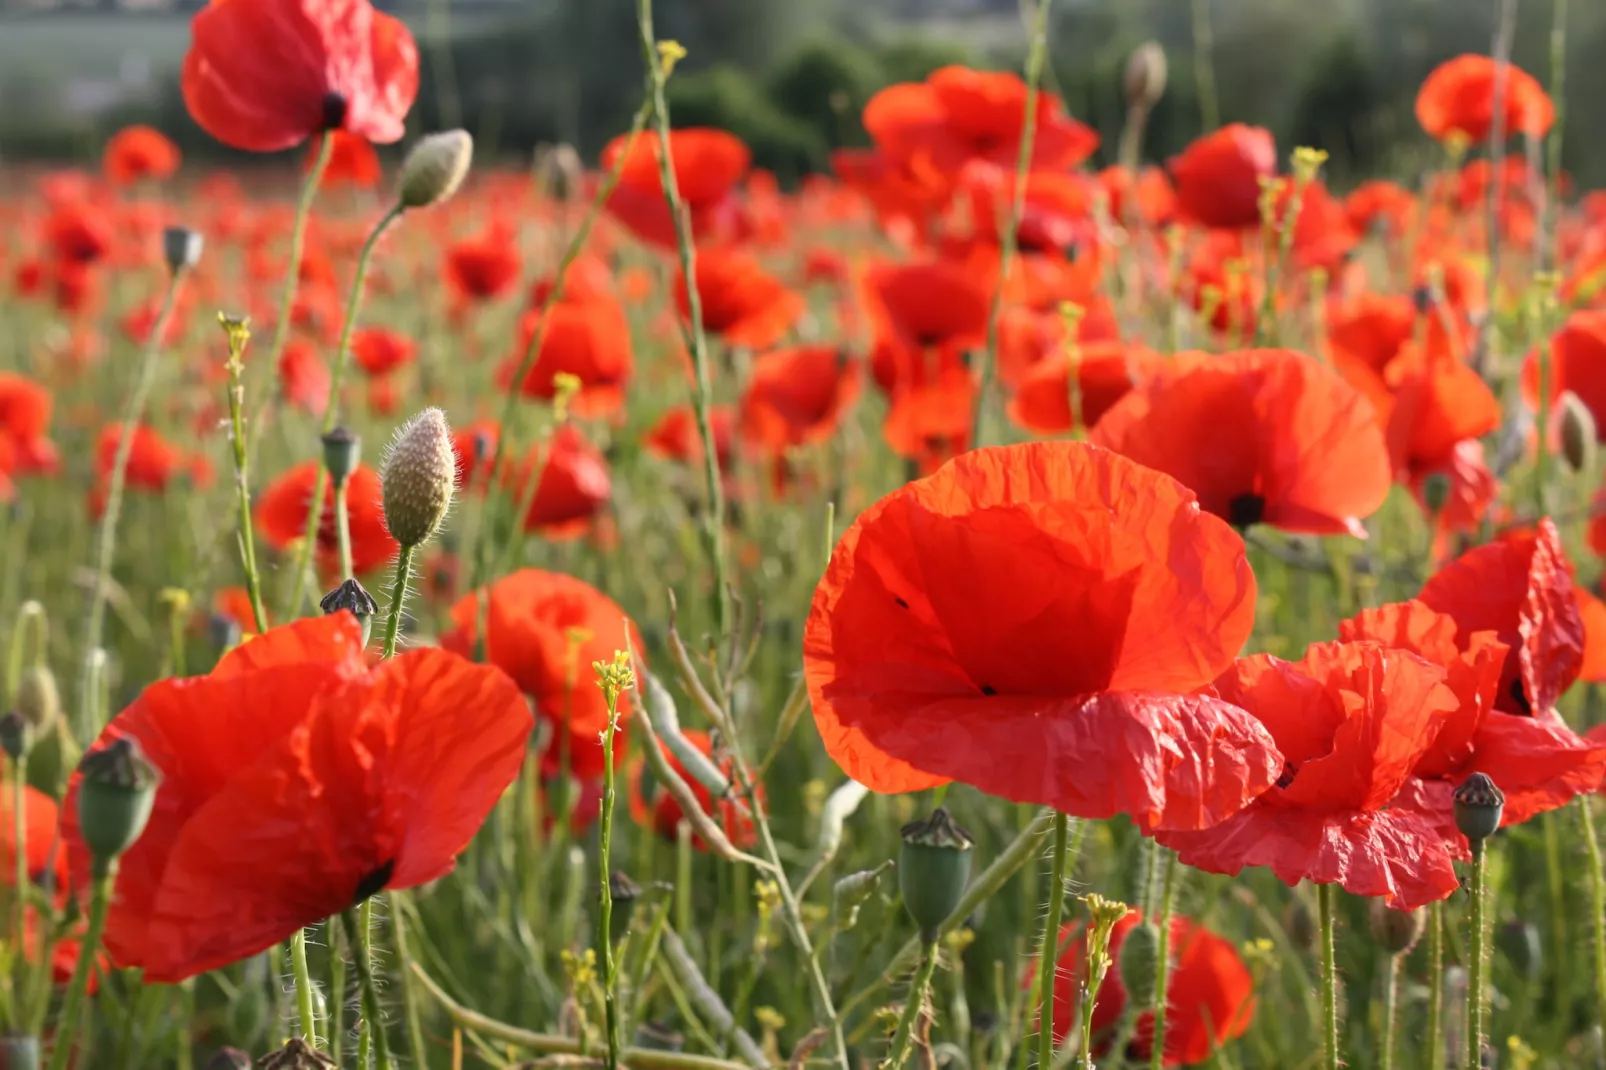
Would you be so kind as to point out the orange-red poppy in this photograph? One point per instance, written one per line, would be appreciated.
(352, 161)
(675, 437)
(588, 339)
(574, 485)
(1577, 363)
(263, 75)
(797, 396)
(545, 629)
(484, 267)
(153, 462)
(1035, 621)
(296, 783)
(304, 377)
(25, 407)
(926, 315)
(707, 165)
(1261, 436)
(1457, 99)
(137, 154)
(1217, 177)
(282, 507)
(1104, 372)
(931, 423)
(381, 350)
(741, 302)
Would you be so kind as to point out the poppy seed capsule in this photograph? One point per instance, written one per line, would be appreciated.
(1435, 492)
(1145, 75)
(1577, 433)
(38, 700)
(1139, 961)
(116, 790)
(296, 1054)
(342, 452)
(1478, 806)
(181, 248)
(933, 869)
(229, 1059)
(434, 168)
(1396, 931)
(417, 478)
(354, 598)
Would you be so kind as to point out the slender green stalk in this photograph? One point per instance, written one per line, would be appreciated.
(1007, 226)
(1597, 902)
(19, 833)
(1435, 972)
(400, 905)
(1558, 97)
(1162, 972)
(343, 528)
(1204, 68)
(298, 244)
(116, 484)
(1478, 955)
(398, 595)
(331, 413)
(658, 67)
(1505, 30)
(903, 1039)
(238, 337)
(373, 1024)
(1048, 964)
(1326, 898)
(303, 981)
(337, 990)
(1391, 999)
(69, 1027)
(605, 956)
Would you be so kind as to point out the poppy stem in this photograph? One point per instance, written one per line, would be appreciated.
(337, 991)
(1048, 965)
(1478, 955)
(69, 1027)
(373, 1023)
(19, 791)
(659, 61)
(903, 1039)
(1597, 902)
(303, 981)
(118, 481)
(1435, 972)
(331, 413)
(1167, 863)
(1204, 71)
(343, 529)
(298, 244)
(398, 595)
(400, 905)
(1558, 81)
(1327, 903)
(239, 336)
(1391, 998)
(605, 956)
(1505, 31)
(1007, 238)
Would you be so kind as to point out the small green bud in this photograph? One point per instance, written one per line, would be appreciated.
(342, 451)
(1139, 961)
(181, 248)
(1577, 433)
(1478, 806)
(1145, 75)
(417, 478)
(296, 1054)
(116, 791)
(354, 598)
(38, 699)
(435, 168)
(1396, 931)
(933, 869)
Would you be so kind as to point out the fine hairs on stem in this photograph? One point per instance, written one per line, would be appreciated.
(1327, 902)
(1048, 961)
(1168, 865)
(73, 1019)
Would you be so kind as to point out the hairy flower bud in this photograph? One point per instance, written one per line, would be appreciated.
(1139, 960)
(116, 791)
(1145, 76)
(417, 478)
(1478, 807)
(38, 699)
(435, 168)
(933, 869)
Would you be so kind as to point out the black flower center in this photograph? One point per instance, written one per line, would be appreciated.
(375, 881)
(1246, 509)
(334, 110)
(1520, 697)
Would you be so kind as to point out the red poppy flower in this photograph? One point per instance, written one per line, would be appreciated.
(380, 350)
(233, 604)
(297, 782)
(137, 153)
(44, 857)
(1030, 620)
(931, 423)
(1104, 371)
(905, 197)
(352, 161)
(926, 315)
(78, 233)
(1352, 721)
(1473, 488)
(741, 302)
(265, 75)
(1437, 405)
(587, 339)
(281, 515)
(707, 164)
(574, 484)
(153, 462)
(1577, 363)
(474, 444)
(483, 268)
(797, 396)
(544, 629)
(1519, 587)
(652, 806)
(1378, 202)
(675, 436)
(1267, 435)
(25, 408)
(1217, 177)
(1372, 328)
(1457, 98)
(303, 377)
(1210, 996)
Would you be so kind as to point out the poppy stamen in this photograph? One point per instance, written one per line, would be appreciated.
(988, 689)
(1520, 697)
(334, 110)
(1246, 509)
(374, 882)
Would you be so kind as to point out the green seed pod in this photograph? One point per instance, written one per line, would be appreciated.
(933, 869)
(354, 598)
(1520, 945)
(1396, 931)
(296, 1054)
(624, 892)
(1139, 961)
(229, 1059)
(435, 168)
(1478, 806)
(655, 1036)
(418, 477)
(38, 699)
(1435, 492)
(1577, 433)
(115, 794)
(342, 452)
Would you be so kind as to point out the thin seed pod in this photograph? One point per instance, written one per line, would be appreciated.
(660, 708)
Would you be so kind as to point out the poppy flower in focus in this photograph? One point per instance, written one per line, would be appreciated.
(352, 161)
(485, 267)
(137, 154)
(281, 515)
(708, 164)
(574, 484)
(1217, 177)
(1457, 99)
(1352, 720)
(296, 783)
(653, 806)
(1034, 621)
(1210, 995)
(1261, 436)
(545, 629)
(589, 340)
(266, 75)
(1577, 363)
(1104, 372)
(1519, 587)
(380, 350)
(926, 316)
(797, 396)
(741, 302)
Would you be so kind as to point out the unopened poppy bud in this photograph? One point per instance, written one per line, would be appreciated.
(1396, 931)
(229, 1059)
(1478, 806)
(342, 450)
(624, 892)
(116, 791)
(1520, 945)
(16, 735)
(933, 869)
(655, 1036)
(559, 171)
(417, 478)
(38, 700)
(296, 1054)
(435, 168)
(1436, 492)
(1577, 433)
(354, 598)
(1145, 75)
(1139, 960)
(181, 248)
